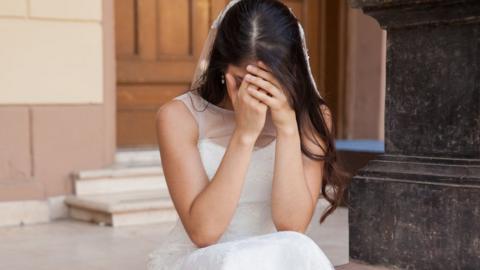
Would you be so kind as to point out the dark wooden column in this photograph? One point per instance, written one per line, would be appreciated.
(418, 205)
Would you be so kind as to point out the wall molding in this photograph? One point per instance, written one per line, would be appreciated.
(15, 213)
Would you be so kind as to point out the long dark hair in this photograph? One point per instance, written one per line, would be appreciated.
(266, 30)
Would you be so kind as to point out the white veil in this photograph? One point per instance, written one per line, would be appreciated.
(204, 57)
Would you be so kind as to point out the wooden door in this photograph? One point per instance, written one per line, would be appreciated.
(158, 43)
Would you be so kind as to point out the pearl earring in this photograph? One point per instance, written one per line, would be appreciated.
(223, 79)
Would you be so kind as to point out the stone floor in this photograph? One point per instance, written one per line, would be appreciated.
(73, 245)
(359, 266)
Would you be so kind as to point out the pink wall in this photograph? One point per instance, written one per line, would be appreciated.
(365, 80)
(41, 145)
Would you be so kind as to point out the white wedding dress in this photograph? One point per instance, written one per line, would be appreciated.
(251, 240)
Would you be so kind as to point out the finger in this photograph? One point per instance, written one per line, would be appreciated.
(269, 70)
(261, 83)
(263, 73)
(255, 102)
(243, 86)
(243, 93)
(262, 96)
(263, 66)
(249, 97)
(256, 88)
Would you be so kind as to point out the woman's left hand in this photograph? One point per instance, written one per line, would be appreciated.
(271, 93)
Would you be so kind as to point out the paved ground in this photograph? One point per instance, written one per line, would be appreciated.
(72, 245)
(359, 266)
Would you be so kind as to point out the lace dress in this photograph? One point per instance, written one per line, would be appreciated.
(251, 241)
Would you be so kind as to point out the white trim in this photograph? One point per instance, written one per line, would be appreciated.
(14, 213)
(23, 212)
(58, 208)
(132, 157)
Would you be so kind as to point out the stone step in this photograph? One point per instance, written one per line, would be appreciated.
(138, 157)
(132, 191)
(119, 179)
(122, 209)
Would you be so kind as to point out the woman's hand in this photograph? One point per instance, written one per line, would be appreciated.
(250, 114)
(283, 116)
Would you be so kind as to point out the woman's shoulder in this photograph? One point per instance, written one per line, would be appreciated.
(180, 105)
(175, 115)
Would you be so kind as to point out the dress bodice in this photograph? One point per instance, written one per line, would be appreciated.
(251, 234)
(216, 125)
(253, 213)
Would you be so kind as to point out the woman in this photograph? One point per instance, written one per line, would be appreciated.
(248, 150)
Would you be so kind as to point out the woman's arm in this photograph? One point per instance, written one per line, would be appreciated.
(212, 210)
(205, 208)
(297, 180)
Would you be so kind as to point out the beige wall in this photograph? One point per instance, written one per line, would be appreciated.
(51, 52)
(57, 94)
(365, 83)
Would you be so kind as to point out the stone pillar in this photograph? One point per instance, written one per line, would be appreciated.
(418, 205)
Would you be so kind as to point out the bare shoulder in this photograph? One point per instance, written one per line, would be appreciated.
(174, 118)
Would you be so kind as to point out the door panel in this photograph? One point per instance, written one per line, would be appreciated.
(158, 43)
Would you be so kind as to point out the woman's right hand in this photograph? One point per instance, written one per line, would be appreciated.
(250, 113)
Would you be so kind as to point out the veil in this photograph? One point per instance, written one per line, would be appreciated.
(204, 57)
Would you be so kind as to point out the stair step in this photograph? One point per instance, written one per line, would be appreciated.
(138, 157)
(119, 171)
(118, 179)
(121, 209)
(132, 191)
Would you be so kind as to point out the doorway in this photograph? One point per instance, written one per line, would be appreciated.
(158, 43)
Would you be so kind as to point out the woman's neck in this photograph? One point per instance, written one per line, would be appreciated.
(226, 104)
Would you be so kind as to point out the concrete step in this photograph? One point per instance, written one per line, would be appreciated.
(133, 191)
(138, 157)
(122, 209)
(119, 179)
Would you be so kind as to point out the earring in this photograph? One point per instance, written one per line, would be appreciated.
(223, 79)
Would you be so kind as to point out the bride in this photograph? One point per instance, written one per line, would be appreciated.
(248, 150)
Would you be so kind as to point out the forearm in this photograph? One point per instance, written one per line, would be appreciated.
(291, 199)
(213, 209)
